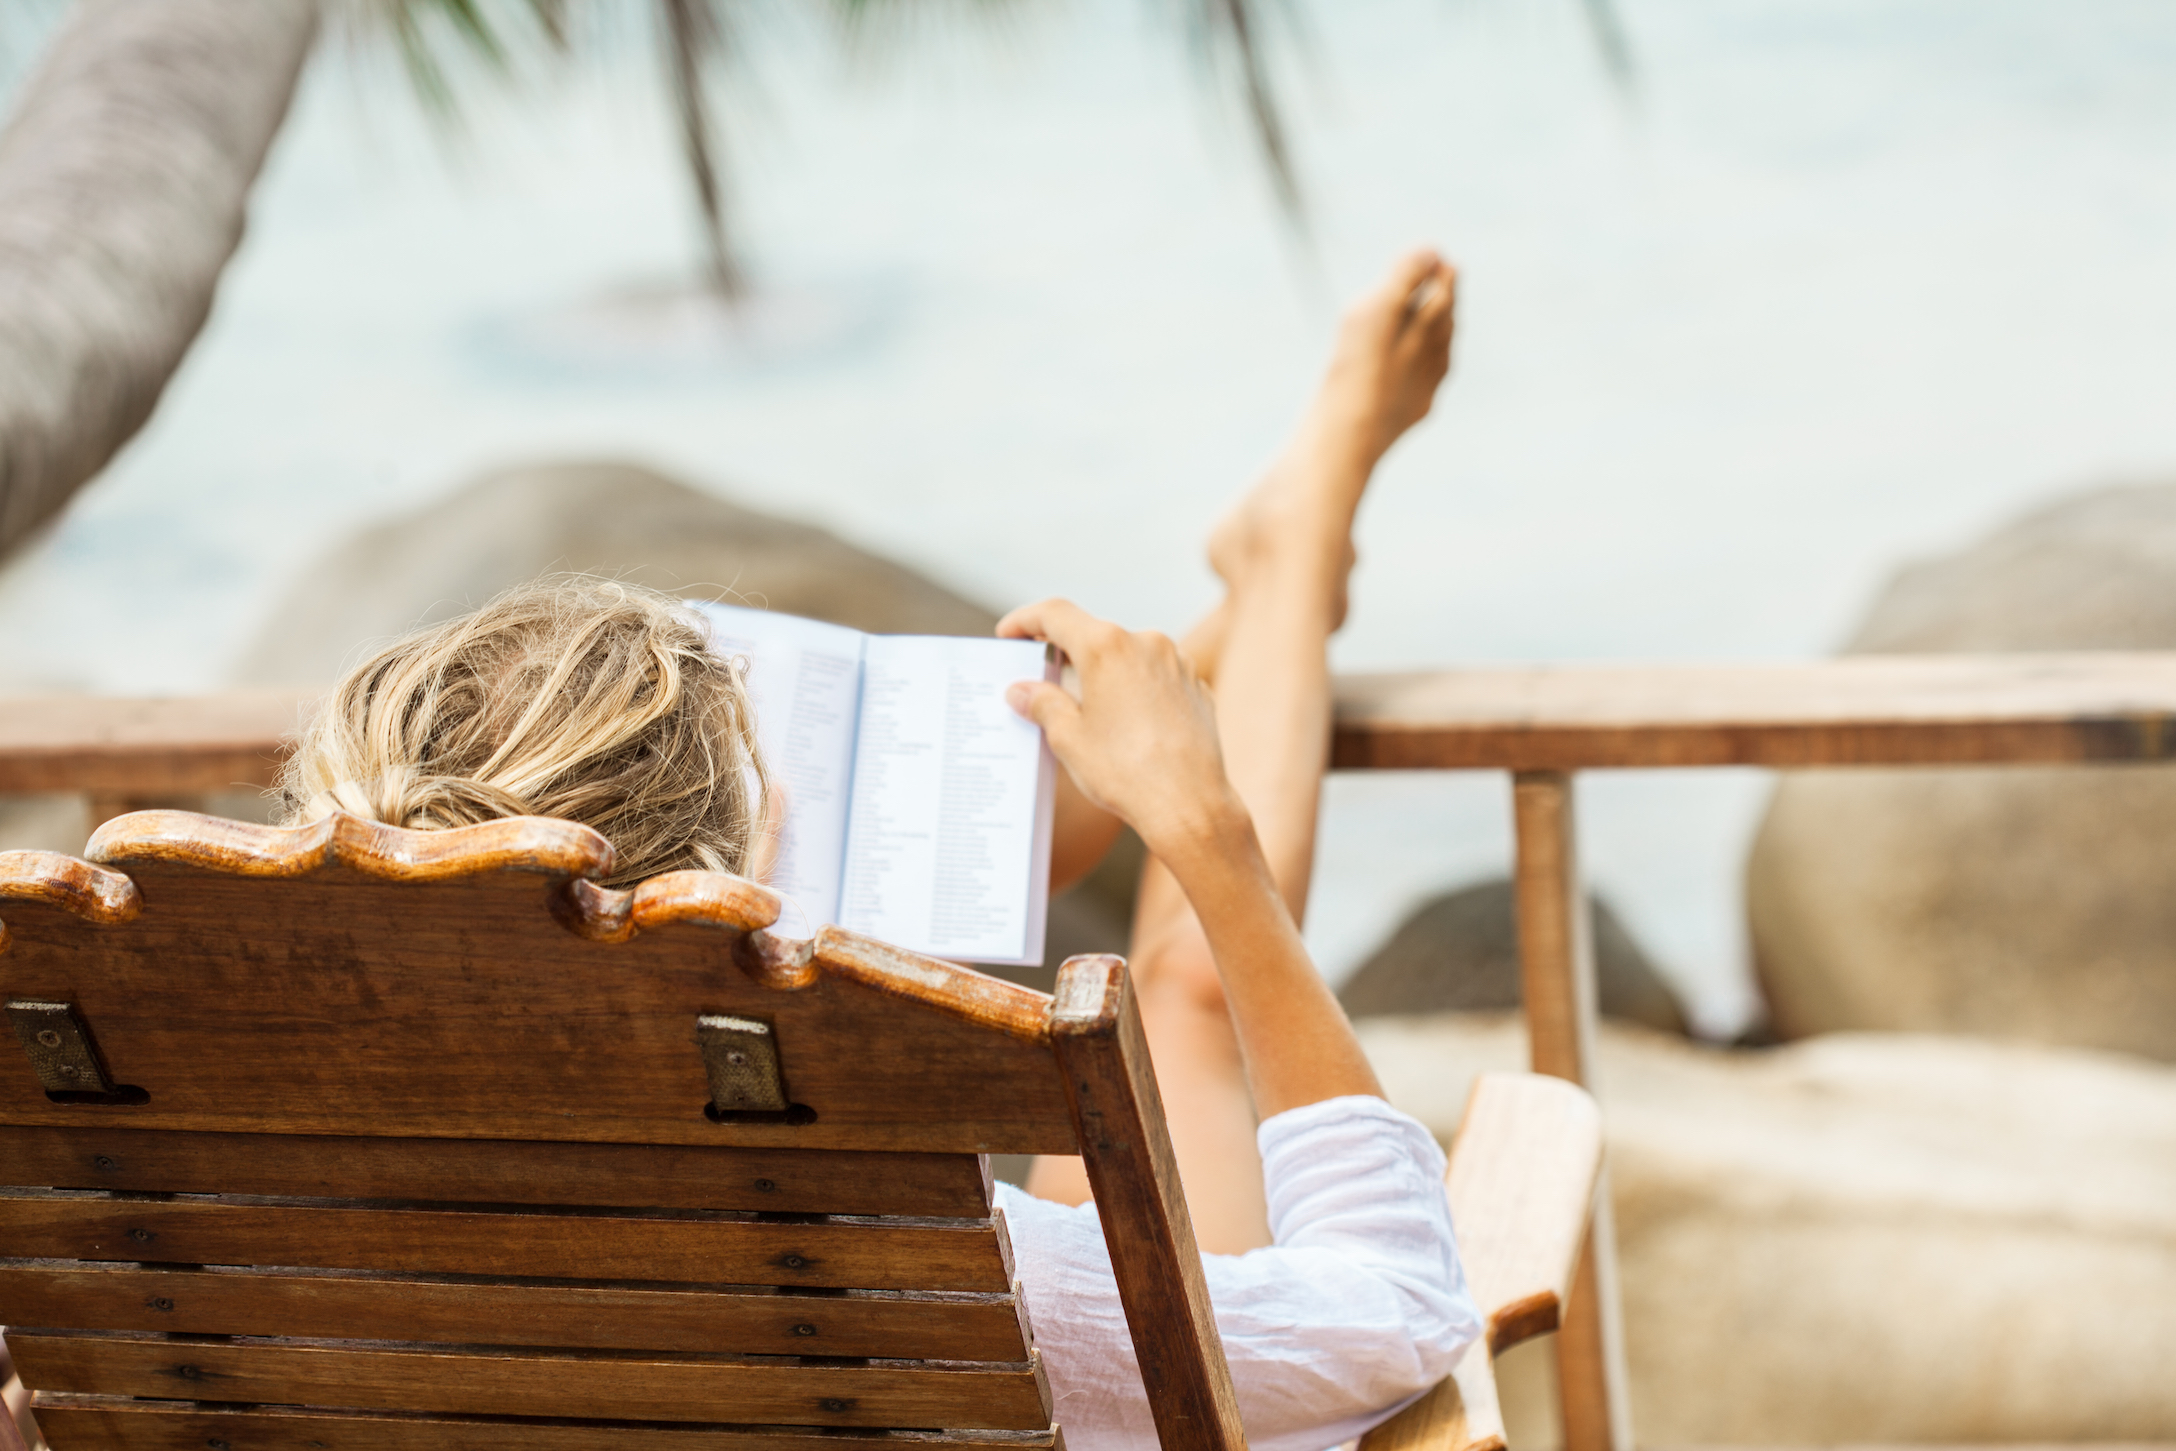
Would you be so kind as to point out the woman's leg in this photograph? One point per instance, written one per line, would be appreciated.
(1284, 554)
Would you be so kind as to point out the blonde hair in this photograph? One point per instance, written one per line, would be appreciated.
(573, 696)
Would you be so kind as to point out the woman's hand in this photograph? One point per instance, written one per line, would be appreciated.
(1141, 741)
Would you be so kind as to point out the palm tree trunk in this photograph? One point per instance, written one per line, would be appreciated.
(123, 178)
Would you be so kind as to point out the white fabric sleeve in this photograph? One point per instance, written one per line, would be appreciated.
(1358, 1307)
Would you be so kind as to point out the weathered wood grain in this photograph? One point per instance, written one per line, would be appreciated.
(536, 844)
(66, 1295)
(474, 1171)
(974, 997)
(506, 1383)
(1852, 711)
(870, 1254)
(1096, 1033)
(332, 1001)
(104, 1423)
(715, 899)
(91, 893)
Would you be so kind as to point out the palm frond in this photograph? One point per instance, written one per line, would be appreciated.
(1234, 36)
(1610, 40)
(468, 23)
(696, 38)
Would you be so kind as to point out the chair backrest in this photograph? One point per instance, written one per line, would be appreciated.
(355, 1137)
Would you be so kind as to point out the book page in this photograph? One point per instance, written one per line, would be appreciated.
(805, 677)
(948, 846)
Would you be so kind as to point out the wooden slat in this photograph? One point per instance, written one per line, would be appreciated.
(876, 1255)
(334, 1002)
(68, 1295)
(504, 1383)
(103, 1423)
(1853, 711)
(1126, 1148)
(164, 747)
(482, 1171)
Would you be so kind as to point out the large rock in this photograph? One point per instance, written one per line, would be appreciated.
(2036, 904)
(1459, 951)
(618, 519)
(1865, 1237)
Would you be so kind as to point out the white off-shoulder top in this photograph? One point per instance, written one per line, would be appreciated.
(1358, 1307)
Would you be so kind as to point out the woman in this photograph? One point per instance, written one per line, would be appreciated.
(1330, 1263)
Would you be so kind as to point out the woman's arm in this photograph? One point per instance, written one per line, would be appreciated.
(1141, 743)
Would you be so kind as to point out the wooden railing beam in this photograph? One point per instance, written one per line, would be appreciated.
(1864, 710)
(137, 749)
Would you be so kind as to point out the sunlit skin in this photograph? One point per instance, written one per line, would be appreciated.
(1213, 750)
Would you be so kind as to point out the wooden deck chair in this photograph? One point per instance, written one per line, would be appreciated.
(343, 1136)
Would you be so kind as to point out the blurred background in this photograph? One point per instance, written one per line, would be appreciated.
(1762, 301)
(1824, 286)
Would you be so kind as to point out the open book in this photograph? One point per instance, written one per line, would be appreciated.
(918, 804)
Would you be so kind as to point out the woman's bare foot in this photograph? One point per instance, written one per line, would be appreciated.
(1393, 350)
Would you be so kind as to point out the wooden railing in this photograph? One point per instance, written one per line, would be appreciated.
(1541, 724)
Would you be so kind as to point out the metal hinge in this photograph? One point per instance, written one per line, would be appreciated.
(741, 1055)
(60, 1050)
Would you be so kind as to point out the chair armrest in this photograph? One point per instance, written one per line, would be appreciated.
(1521, 1182)
(1460, 1414)
(1522, 1176)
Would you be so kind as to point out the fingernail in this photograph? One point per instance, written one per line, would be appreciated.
(1016, 696)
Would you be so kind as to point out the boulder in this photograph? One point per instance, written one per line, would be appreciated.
(1862, 1237)
(618, 519)
(2036, 904)
(1460, 952)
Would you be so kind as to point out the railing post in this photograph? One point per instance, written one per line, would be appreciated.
(1556, 960)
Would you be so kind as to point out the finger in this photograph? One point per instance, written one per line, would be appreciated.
(1033, 622)
(1045, 704)
(1409, 272)
(1435, 311)
(1061, 623)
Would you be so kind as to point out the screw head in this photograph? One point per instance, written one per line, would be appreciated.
(834, 1405)
(804, 1330)
(736, 1059)
(795, 1262)
(49, 1038)
(218, 1445)
(765, 1186)
(103, 1162)
(160, 1302)
(142, 1236)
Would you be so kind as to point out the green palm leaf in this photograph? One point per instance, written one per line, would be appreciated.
(1230, 35)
